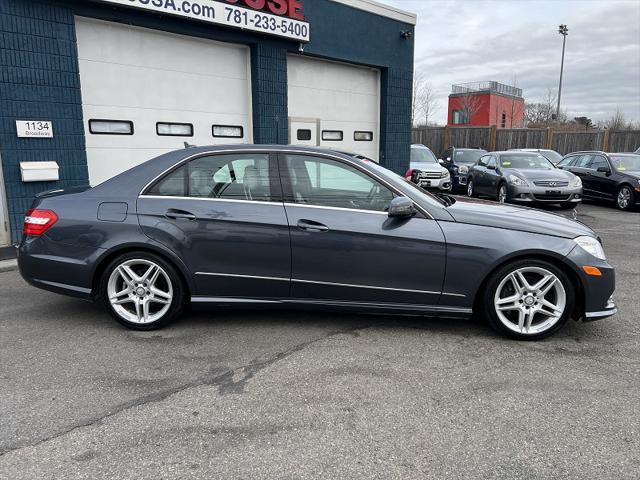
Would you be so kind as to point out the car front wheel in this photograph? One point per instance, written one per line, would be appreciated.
(470, 191)
(142, 291)
(625, 198)
(528, 300)
(502, 193)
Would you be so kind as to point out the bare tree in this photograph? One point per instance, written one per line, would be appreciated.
(618, 122)
(425, 103)
(515, 106)
(541, 114)
(469, 105)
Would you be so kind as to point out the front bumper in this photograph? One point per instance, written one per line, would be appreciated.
(610, 309)
(535, 194)
(440, 184)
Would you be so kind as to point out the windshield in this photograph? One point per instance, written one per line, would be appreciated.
(423, 155)
(533, 161)
(625, 162)
(552, 156)
(468, 156)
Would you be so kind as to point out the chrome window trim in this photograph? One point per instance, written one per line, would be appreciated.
(234, 200)
(344, 209)
(329, 155)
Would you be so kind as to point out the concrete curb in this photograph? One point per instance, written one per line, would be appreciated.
(8, 265)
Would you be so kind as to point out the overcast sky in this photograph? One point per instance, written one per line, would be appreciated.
(461, 41)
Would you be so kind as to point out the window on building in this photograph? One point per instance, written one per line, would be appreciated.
(503, 120)
(227, 131)
(363, 136)
(110, 127)
(166, 129)
(332, 135)
(303, 134)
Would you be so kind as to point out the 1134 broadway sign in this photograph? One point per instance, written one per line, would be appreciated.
(283, 18)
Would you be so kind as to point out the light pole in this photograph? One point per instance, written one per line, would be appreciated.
(564, 31)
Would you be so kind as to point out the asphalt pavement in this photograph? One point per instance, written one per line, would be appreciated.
(271, 394)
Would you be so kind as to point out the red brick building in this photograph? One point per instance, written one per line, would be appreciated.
(483, 104)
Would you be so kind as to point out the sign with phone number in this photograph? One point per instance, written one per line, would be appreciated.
(226, 15)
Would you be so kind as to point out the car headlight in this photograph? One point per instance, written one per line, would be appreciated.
(591, 245)
(463, 169)
(514, 180)
(577, 182)
(444, 174)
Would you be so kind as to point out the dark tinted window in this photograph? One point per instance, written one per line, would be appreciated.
(483, 160)
(303, 134)
(325, 182)
(581, 161)
(172, 185)
(233, 177)
(468, 156)
(598, 161)
(492, 162)
(566, 161)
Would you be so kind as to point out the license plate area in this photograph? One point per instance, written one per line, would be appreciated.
(554, 192)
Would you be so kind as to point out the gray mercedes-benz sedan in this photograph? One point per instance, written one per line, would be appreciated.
(270, 225)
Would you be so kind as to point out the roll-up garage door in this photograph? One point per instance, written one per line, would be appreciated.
(334, 105)
(146, 92)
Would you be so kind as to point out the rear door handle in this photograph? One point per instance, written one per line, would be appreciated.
(311, 226)
(179, 214)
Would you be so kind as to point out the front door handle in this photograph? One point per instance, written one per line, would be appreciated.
(179, 214)
(311, 226)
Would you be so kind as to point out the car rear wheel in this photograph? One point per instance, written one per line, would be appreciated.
(470, 191)
(142, 291)
(502, 193)
(626, 198)
(528, 300)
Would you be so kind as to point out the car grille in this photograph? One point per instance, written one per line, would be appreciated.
(550, 183)
(552, 197)
(429, 175)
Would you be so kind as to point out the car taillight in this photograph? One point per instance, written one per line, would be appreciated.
(36, 222)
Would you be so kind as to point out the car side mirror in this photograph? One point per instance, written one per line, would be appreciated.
(606, 170)
(401, 207)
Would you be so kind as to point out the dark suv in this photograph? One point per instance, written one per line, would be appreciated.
(458, 161)
(607, 176)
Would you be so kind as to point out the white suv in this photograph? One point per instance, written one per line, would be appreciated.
(425, 170)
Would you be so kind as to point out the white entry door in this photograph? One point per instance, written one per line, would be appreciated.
(146, 92)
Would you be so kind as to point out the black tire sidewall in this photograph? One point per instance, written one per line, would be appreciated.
(470, 188)
(496, 278)
(506, 194)
(179, 290)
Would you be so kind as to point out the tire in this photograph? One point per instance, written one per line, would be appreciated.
(470, 190)
(142, 291)
(522, 315)
(625, 199)
(502, 195)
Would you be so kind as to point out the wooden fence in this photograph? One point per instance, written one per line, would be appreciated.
(492, 138)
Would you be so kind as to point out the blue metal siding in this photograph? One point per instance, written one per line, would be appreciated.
(39, 79)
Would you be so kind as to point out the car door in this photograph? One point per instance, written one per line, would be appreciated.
(599, 184)
(223, 215)
(491, 177)
(478, 173)
(344, 246)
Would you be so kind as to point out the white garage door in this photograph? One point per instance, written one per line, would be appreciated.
(334, 105)
(146, 92)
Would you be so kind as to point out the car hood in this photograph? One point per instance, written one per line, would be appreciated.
(511, 217)
(428, 167)
(537, 174)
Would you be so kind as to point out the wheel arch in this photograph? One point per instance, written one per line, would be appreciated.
(558, 261)
(166, 255)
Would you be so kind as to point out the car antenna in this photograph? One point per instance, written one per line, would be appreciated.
(188, 145)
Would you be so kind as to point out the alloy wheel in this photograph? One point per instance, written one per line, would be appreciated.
(502, 194)
(624, 197)
(530, 300)
(140, 291)
(470, 188)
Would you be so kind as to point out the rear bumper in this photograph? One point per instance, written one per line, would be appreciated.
(58, 267)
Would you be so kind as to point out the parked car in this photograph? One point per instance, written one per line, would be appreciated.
(458, 161)
(425, 170)
(523, 177)
(638, 150)
(613, 177)
(277, 226)
(551, 155)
